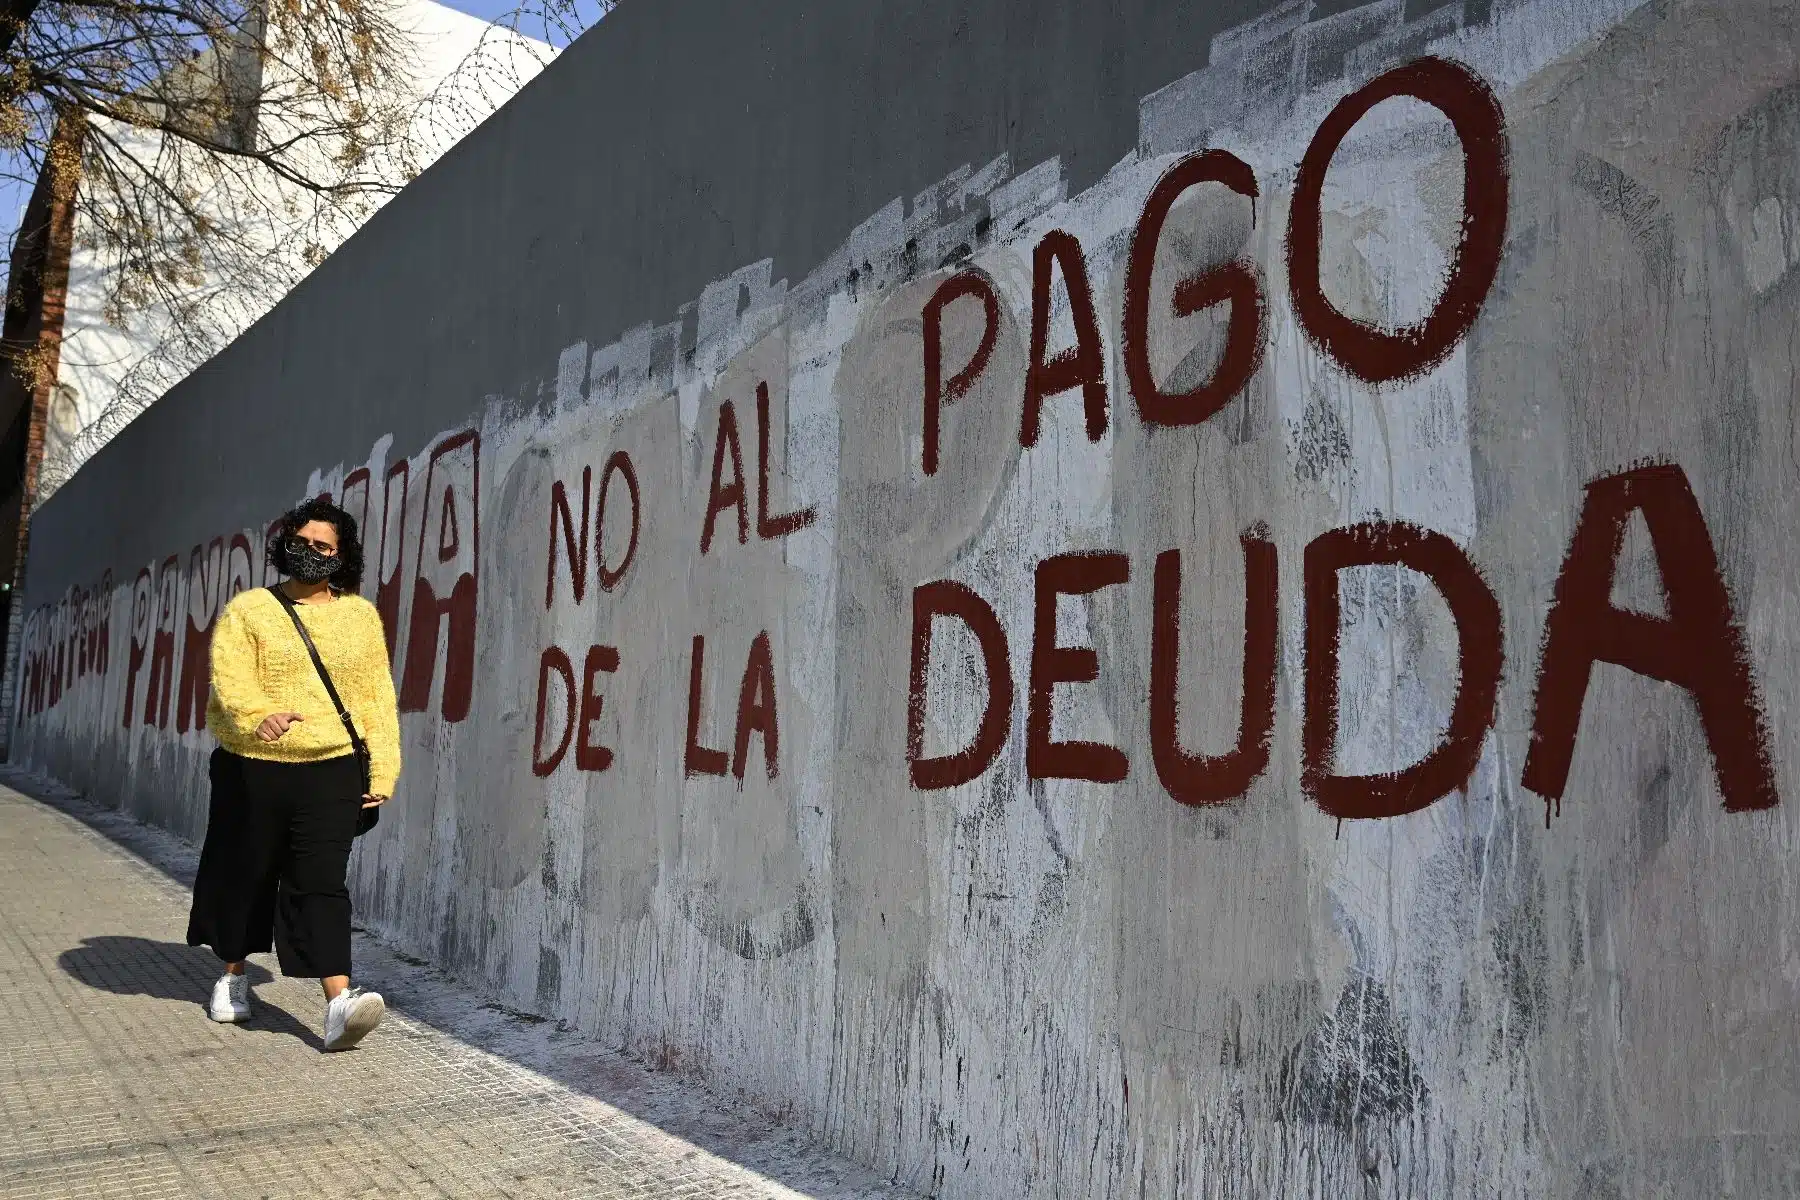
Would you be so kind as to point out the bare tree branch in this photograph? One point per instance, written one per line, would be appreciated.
(231, 145)
(14, 16)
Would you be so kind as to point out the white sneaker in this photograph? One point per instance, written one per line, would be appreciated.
(230, 999)
(350, 1017)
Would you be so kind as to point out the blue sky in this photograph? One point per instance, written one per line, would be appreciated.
(585, 12)
(487, 10)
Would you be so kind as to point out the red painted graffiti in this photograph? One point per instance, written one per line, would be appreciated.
(770, 525)
(1375, 355)
(1698, 646)
(583, 541)
(756, 713)
(577, 721)
(951, 600)
(1369, 353)
(142, 623)
(618, 465)
(445, 582)
(392, 553)
(1082, 365)
(1477, 616)
(1045, 758)
(938, 390)
(575, 545)
(1200, 779)
(721, 495)
(553, 661)
(162, 643)
(1235, 283)
(205, 585)
(699, 758)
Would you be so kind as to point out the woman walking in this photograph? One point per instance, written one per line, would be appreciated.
(309, 748)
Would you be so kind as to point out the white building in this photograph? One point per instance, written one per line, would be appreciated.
(112, 366)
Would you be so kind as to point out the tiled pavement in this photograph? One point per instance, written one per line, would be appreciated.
(113, 1083)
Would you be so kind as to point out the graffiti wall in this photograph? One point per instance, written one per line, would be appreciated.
(1265, 674)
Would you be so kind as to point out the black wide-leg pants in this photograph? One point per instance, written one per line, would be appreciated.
(278, 841)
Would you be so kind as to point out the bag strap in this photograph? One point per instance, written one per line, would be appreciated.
(356, 742)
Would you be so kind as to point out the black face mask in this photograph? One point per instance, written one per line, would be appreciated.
(308, 565)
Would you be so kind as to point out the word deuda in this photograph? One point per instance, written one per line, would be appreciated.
(1697, 646)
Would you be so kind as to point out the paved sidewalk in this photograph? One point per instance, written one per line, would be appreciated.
(113, 1083)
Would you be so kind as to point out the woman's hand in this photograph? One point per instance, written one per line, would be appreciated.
(275, 725)
(371, 800)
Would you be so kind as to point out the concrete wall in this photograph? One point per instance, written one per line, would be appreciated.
(1424, 834)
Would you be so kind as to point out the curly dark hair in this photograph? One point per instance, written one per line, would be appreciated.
(349, 576)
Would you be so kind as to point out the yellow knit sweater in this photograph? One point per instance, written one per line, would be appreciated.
(260, 667)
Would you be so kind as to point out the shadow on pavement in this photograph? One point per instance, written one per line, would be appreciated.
(428, 996)
(136, 966)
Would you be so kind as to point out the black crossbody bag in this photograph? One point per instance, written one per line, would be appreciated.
(367, 818)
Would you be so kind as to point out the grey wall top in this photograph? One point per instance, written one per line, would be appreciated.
(677, 142)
